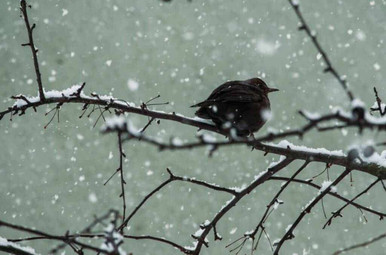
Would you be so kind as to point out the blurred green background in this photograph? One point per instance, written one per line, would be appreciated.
(52, 179)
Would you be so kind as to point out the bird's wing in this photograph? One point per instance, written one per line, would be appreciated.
(233, 91)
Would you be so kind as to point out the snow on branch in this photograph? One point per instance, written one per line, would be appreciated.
(13, 248)
(374, 164)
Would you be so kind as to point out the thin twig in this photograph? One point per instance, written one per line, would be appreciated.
(334, 194)
(339, 211)
(64, 239)
(304, 26)
(173, 177)
(123, 182)
(289, 233)
(31, 44)
(360, 245)
(231, 203)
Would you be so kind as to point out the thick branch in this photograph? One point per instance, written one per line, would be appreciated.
(284, 148)
(231, 203)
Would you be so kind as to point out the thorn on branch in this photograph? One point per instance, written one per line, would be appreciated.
(327, 69)
(84, 109)
(171, 175)
(56, 109)
(216, 235)
(147, 125)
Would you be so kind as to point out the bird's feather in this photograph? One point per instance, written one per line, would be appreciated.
(233, 91)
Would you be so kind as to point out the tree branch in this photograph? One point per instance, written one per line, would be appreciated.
(336, 195)
(64, 239)
(284, 148)
(264, 176)
(289, 233)
(339, 211)
(123, 182)
(172, 178)
(31, 44)
(304, 26)
(364, 244)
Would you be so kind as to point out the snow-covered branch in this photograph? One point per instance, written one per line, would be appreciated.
(374, 164)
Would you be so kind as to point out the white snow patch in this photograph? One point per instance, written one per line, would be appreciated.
(272, 164)
(115, 122)
(266, 114)
(376, 158)
(375, 120)
(311, 115)
(260, 174)
(177, 141)
(233, 230)
(188, 36)
(288, 227)
(198, 232)
(5, 243)
(266, 47)
(357, 103)
(92, 197)
(132, 84)
(360, 35)
(327, 184)
(51, 94)
(193, 247)
(285, 144)
(375, 105)
(208, 138)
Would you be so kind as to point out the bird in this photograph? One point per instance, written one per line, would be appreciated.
(239, 105)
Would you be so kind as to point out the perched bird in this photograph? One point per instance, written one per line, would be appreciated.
(242, 105)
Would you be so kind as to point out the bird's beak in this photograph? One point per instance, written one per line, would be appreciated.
(272, 90)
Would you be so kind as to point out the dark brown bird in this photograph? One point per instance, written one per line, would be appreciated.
(242, 105)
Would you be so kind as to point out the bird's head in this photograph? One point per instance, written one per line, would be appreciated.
(262, 86)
